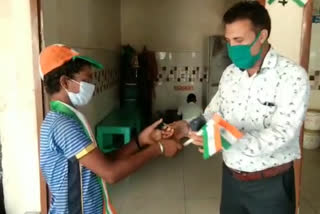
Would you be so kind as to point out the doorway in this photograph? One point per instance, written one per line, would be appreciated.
(178, 186)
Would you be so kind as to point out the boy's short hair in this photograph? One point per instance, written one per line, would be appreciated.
(69, 69)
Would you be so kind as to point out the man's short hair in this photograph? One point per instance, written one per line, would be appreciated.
(191, 98)
(253, 11)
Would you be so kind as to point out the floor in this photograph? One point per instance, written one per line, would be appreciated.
(189, 185)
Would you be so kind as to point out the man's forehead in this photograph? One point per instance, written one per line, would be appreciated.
(239, 28)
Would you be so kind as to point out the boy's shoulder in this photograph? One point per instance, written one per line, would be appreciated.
(54, 120)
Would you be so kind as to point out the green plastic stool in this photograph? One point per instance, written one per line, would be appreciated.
(105, 138)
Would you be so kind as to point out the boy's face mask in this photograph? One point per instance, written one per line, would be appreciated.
(241, 56)
(84, 96)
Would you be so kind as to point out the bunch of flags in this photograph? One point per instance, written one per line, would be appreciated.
(217, 135)
(301, 3)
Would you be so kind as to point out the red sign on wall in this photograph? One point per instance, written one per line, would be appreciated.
(183, 88)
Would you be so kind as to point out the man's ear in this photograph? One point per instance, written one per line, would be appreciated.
(64, 82)
(264, 36)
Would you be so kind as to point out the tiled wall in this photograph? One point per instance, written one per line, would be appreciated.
(105, 79)
(180, 73)
(93, 30)
(106, 94)
(177, 27)
(314, 77)
(314, 65)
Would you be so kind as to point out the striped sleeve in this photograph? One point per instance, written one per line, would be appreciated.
(71, 139)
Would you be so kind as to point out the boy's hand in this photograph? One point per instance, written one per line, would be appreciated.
(157, 134)
(149, 135)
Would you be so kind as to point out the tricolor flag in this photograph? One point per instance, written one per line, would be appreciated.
(301, 3)
(218, 134)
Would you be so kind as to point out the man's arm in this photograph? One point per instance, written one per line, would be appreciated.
(286, 121)
(214, 106)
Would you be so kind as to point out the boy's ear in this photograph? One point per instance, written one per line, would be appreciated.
(64, 82)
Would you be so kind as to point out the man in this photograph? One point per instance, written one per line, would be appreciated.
(69, 158)
(190, 110)
(264, 95)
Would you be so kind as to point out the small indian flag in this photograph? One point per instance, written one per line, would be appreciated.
(218, 134)
(301, 3)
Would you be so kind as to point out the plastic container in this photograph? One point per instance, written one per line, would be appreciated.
(312, 120)
(311, 139)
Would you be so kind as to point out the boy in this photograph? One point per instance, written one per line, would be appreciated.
(75, 170)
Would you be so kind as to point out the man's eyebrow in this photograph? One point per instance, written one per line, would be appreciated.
(234, 38)
(237, 38)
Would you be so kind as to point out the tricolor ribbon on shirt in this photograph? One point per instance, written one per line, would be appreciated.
(69, 111)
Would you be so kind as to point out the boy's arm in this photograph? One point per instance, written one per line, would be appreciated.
(151, 135)
(113, 171)
(125, 163)
(125, 151)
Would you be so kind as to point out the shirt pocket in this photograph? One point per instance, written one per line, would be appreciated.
(261, 113)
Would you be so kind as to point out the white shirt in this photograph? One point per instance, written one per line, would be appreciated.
(268, 107)
(190, 111)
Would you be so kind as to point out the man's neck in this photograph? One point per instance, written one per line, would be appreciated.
(257, 66)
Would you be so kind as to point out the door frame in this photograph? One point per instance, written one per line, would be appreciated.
(36, 29)
(304, 62)
(36, 17)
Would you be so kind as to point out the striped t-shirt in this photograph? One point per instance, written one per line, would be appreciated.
(62, 142)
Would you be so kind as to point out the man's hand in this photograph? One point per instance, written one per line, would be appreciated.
(171, 147)
(181, 129)
(197, 140)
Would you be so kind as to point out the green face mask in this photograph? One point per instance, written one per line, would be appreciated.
(241, 56)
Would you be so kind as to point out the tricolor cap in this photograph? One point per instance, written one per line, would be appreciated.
(56, 55)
